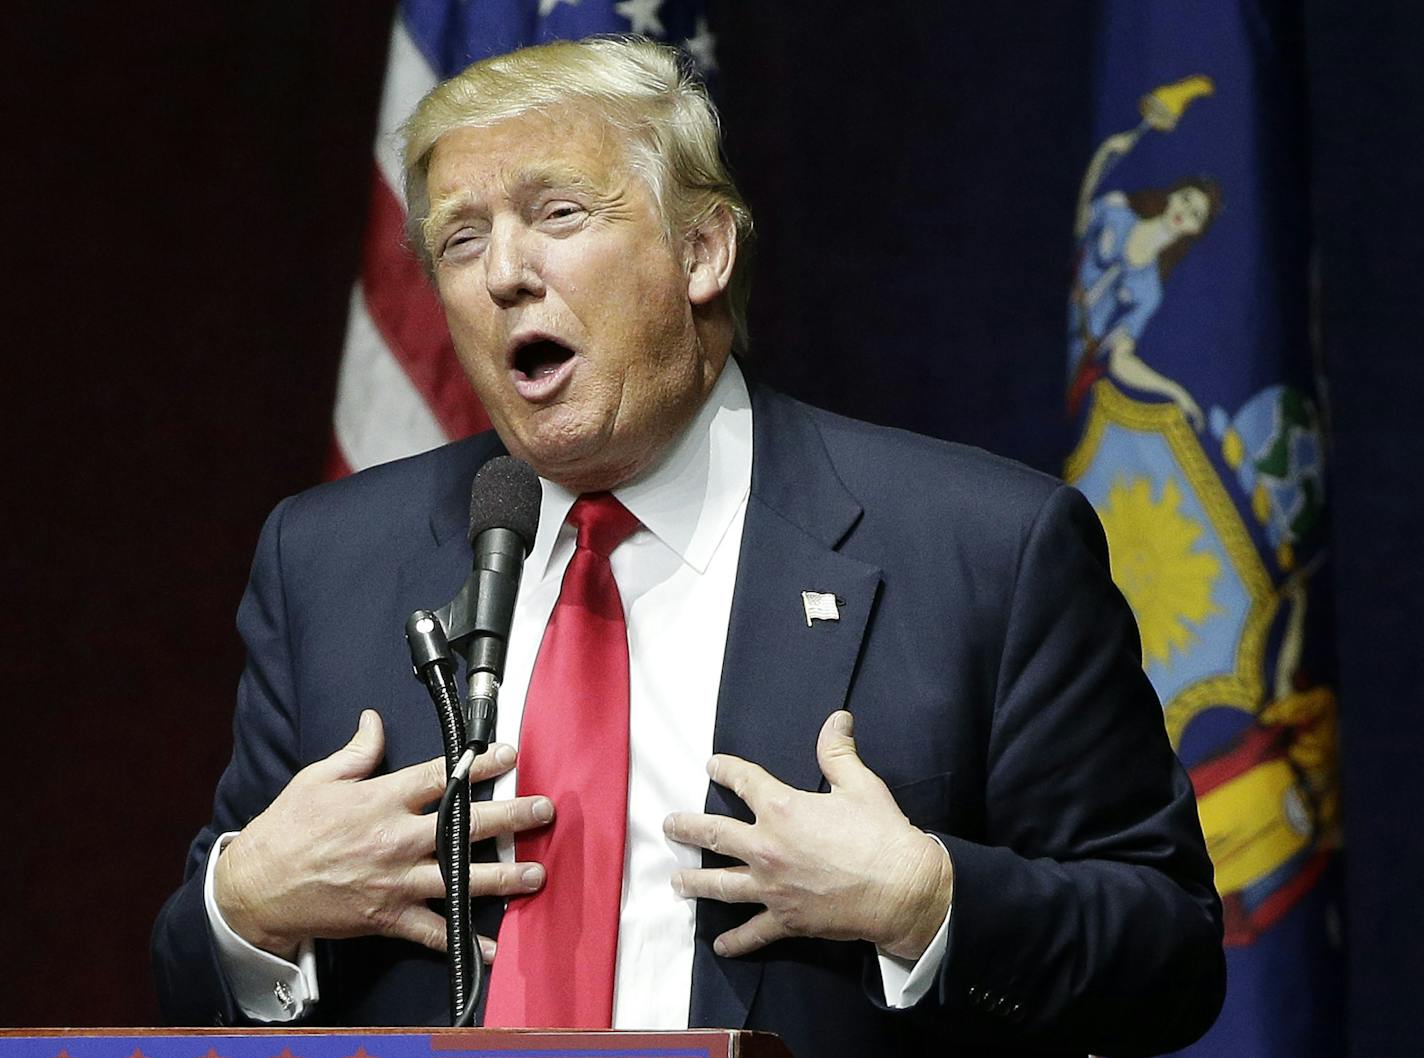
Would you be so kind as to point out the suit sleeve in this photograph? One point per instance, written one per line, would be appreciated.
(1086, 917)
(191, 986)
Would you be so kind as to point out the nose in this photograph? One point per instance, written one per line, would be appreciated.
(511, 268)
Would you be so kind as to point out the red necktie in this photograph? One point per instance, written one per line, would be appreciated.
(558, 948)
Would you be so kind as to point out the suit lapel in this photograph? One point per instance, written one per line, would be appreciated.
(430, 577)
(780, 677)
(425, 581)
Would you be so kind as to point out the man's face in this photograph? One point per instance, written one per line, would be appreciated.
(570, 312)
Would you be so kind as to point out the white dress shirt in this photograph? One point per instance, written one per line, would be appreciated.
(676, 575)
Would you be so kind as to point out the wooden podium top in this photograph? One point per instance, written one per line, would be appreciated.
(383, 1043)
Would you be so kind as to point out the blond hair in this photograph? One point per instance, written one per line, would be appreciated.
(644, 90)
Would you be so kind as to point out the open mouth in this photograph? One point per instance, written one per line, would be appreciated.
(540, 359)
(541, 367)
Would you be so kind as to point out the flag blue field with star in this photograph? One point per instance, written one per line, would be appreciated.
(1188, 370)
(451, 34)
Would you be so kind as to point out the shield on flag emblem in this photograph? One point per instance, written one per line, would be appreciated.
(1180, 554)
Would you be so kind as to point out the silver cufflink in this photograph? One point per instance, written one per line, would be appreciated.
(283, 992)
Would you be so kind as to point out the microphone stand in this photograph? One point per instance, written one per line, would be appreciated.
(476, 624)
(434, 666)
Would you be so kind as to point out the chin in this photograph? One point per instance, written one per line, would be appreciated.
(588, 476)
(578, 462)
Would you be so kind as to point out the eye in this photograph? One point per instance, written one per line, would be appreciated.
(561, 215)
(462, 243)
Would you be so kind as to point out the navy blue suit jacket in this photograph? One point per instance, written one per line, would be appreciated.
(994, 675)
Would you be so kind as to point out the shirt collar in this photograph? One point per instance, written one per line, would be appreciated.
(690, 497)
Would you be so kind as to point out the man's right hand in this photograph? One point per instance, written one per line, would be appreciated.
(338, 854)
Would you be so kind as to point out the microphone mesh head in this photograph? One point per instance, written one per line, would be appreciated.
(506, 495)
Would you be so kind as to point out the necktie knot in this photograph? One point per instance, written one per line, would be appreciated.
(602, 522)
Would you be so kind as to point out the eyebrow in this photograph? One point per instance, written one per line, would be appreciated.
(446, 210)
(552, 175)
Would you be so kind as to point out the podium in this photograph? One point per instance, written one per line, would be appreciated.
(384, 1043)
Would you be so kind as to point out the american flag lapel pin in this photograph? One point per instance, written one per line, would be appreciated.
(820, 606)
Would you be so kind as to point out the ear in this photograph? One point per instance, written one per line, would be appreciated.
(711, 252)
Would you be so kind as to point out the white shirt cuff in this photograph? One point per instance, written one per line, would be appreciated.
(905, 982)
(266, 986)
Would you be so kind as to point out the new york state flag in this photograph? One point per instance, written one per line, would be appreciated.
(1188, 370)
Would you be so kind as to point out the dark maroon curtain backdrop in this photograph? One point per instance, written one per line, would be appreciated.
(184, 193)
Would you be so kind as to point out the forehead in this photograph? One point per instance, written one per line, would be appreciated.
(558, 148)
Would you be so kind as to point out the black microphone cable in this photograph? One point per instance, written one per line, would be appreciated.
(434, 665)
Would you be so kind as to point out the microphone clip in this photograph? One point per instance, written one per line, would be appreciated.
(432, 659)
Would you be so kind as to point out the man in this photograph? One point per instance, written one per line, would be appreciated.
(998, 851)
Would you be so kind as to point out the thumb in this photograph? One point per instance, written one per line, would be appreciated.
(835, 750)
(359, 757)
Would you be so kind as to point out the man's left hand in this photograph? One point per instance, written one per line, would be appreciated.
(844, 865)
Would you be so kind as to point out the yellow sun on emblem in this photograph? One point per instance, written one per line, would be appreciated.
(1154, 561)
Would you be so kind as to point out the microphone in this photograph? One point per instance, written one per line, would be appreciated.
(504, 515)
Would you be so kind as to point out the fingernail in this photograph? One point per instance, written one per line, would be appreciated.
(504, 755)
(719, 946)
(669, 825)
(532, 877)
(677, 884)
(844, 723)
(543, 810)
(488, 949)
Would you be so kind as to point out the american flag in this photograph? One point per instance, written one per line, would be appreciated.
(400, 390)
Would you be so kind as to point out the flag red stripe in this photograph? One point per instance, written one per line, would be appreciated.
(409, 318)
(337, 465)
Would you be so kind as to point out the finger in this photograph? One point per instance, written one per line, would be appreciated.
(836, 752)
(489, 818)
(412, 837)
(417, 785)
(493, 762)
(424, 882)
(731, 885)
(751, 782)
(359, 757)
(756, 933)
(422, 783)
(419, 924)
(488, 948)
(506, 879)
(417, 837)
(730, 837)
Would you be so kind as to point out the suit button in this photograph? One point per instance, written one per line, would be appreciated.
(1001, 1006)
(975, 996)
(1016, 1012)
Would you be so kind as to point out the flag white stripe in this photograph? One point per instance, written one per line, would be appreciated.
(379, 414)
(408, 78)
